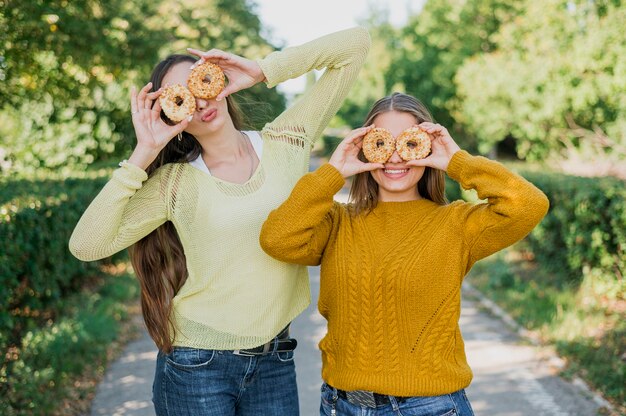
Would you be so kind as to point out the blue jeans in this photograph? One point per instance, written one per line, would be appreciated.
(453, 404)
(196, 382)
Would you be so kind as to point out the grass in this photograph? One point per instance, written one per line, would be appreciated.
(58, 365)
(584, 320)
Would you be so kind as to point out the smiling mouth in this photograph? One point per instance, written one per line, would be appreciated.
(395, 171)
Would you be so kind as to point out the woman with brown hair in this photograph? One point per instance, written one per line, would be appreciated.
(191, 200)
(392, 262)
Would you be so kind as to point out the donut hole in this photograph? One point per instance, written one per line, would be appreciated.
(207, 79)
(380, 143)
(411, 144)
(179, 100)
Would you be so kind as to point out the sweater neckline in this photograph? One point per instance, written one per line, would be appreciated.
(403, 206)
(257, 143)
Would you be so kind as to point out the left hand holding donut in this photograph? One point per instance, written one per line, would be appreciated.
(443, 147)
(345, 158)
(242, 73)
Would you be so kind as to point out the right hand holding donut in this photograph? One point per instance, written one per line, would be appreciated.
(242, 73)
(345, 157)
(151, 131)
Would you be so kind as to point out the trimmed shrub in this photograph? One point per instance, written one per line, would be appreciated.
(585, 230)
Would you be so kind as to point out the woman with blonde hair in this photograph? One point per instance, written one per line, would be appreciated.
(392, 262)
(191, 200)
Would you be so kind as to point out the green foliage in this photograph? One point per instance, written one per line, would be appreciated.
(555, 81)
(585, 229)
(67, 67)
(36, 268)
(435, 43)
(37, 376)
(372, 83)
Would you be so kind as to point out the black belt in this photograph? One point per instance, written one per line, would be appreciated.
(367, 398)
(281, 343)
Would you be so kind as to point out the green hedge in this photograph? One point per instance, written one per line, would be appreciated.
(36, 268)
(37, 271)
(585, 230)
(43, 339)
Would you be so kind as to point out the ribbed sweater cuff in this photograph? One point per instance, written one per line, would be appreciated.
(267, 66)
(329, 177)
(130, 175)
(458, 163)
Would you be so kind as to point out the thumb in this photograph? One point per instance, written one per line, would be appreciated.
(228, 89)
(178, 128)
(420, 162)
(372, 166)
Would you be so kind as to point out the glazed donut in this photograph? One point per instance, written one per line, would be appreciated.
(206, 81)
(177, 102)
(378, 145)
(413, 144)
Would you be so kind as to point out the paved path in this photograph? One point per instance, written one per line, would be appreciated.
(511, 378)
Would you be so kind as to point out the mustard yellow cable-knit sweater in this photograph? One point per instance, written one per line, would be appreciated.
(235, 296)
(391, 279)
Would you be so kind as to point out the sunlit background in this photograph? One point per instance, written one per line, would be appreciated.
(537, 85)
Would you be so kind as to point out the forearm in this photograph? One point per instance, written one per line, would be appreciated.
(346, 47)
(342, 54)
(298, 230)
(514, 205)
(117, 218)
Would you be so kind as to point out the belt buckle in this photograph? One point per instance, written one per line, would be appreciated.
(243, 353)
(361, 398)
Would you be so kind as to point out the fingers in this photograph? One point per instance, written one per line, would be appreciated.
(357, 135)
(433, 128)
(214, 55)
(133, 100)
(151, 99)
(157, 107)
(141, 97)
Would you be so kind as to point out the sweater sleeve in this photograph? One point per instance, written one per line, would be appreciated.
(514, 206)
(299, 229)
(342, 54)
(125, 211)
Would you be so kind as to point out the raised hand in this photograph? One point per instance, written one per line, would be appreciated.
(242, 73)
(443, 147)
(345, 157)
(151, 131)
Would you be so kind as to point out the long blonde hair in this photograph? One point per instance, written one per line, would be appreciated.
(364, 189)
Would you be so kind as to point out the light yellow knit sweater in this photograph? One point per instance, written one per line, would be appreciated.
(391, 279)
(235, 296)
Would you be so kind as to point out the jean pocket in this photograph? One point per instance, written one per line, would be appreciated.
(428, 405)
(189, 358)
(285, 356)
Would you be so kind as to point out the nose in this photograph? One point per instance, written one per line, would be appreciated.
(201, 103)
(395, 157)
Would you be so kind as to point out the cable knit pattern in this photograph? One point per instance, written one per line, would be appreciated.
(235, 296)
(391, 279)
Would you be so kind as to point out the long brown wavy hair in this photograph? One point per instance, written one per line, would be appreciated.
(364, 189)
(158, 259)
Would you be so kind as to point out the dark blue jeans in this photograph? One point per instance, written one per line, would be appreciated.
(195, 382)
(453, 404)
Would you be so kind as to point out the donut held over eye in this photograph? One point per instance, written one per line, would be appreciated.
(177, 102)
(378, 145)
(413, 144)
(206, 81)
